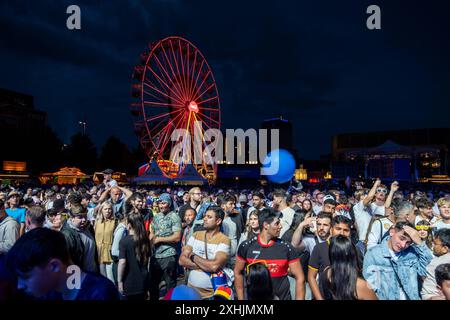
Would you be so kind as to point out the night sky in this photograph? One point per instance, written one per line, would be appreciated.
(313, 62)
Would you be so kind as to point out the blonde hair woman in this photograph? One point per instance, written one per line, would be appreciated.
(104, 231)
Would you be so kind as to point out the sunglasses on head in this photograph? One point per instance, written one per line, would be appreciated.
(256, 262)
(381, 190)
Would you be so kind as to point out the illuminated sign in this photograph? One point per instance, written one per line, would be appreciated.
(14, 166)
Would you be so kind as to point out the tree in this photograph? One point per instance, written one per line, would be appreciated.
(81, 153)
(116, 155)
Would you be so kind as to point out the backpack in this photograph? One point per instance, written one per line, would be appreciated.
(369, 229)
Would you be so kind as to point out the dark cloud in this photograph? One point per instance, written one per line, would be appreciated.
(314, 63)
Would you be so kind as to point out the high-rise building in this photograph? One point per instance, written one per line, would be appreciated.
(18, 117)
(23, 130)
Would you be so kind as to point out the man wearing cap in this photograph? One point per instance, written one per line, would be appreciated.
(182, 198)
(108, 181)
(243, 209)
(15, 211)
(186, 199)
(164, 235)
(329, 203)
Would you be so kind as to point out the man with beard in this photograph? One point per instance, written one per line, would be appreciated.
(206, 252)
(195, 199)
(276, 254)
(312, 231)
(319, 260)
(165, 234)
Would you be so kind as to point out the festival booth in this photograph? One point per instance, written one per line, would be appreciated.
(66, 175)
(151, 173)
(190, 176)
(14, 172)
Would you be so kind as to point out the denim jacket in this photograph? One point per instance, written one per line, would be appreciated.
(411, 264)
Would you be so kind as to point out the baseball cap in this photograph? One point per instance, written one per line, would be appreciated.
(243, 198)
(181, 193)
(108, 171)
(12, 194)
(329, 198)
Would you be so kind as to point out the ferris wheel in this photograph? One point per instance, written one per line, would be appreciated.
(174, 88)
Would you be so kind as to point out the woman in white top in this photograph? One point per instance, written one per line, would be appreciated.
(252, 228)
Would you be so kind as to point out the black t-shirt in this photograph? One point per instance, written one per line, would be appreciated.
(136, 278)
(320, 259)
(93, 287)
(278, 255)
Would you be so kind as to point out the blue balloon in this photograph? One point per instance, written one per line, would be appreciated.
(285, 162)
(182, 292)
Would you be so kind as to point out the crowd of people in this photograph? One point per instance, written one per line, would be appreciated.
(110, 242)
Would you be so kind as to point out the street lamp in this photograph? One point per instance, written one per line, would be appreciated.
(83, 124)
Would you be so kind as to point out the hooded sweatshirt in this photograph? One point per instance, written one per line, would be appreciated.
(9, 233)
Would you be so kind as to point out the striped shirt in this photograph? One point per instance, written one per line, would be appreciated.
(200, 279)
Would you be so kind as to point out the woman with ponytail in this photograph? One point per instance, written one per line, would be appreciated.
(134, 256)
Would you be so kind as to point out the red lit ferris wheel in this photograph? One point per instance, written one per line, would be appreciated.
(174, 89)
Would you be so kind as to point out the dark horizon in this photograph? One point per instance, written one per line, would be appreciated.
(316, 65)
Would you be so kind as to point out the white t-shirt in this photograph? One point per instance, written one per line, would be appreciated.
(395, 257)
(286, 220)
(378, 231)
(441, 225)
(363, 215)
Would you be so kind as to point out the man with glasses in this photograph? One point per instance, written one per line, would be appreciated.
(441, 251)
(368, 207)
(277, 254)
(195, 200)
